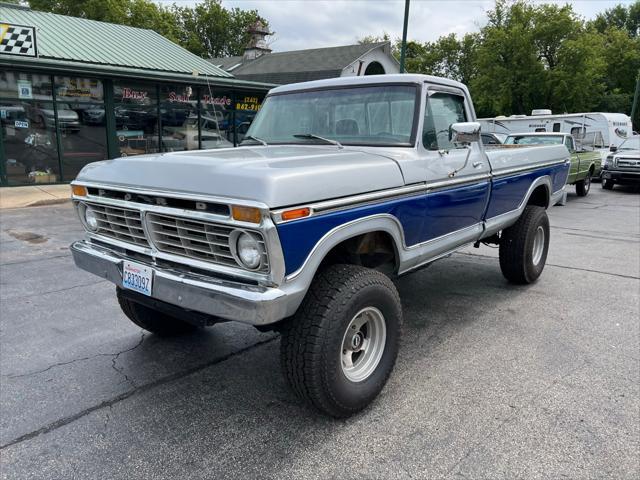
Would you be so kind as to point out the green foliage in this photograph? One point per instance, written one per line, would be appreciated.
(207, 29)
(531, 55)
(619, 17)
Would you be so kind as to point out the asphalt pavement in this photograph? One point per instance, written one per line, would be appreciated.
(492, 380)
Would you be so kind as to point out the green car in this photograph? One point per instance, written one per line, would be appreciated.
(584, 164)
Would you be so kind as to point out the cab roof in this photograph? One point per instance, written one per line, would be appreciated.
(369, 80)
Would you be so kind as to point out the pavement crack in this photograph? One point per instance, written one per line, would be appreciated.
(82, 359)
(120, 370)
(135, 391)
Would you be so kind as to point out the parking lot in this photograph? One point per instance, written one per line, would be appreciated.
(492, 380)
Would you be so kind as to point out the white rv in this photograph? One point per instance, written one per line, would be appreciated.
(614, 127)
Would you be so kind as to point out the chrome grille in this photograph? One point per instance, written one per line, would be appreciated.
(628, 163)
(195, 239)
(120, 223)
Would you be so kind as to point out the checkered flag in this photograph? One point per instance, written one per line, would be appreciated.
(17, 40)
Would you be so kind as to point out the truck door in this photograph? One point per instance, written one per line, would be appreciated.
(457, 175)
(574, 169)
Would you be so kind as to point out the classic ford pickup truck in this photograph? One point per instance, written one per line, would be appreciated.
(584, 164)
(339, 186)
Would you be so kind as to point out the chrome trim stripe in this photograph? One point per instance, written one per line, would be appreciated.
(509, 171)
(406, 191)
(380, 196)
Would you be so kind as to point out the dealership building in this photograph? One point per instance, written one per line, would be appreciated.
(73, 91)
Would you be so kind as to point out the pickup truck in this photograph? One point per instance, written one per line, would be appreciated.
(584, 164)
(339, 186)
(622, 165)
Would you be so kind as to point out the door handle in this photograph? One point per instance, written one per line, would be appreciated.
(477, 164)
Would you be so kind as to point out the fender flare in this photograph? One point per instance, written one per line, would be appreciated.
(382, 222)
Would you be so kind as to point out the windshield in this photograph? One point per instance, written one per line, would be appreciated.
(632, 143)
(534, 140)
(376, 115)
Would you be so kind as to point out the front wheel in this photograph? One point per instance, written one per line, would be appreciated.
(583, 186)
(607, 184)
(524, 246)
(342, 344)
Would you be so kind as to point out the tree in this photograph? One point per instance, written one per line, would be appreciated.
(619, 17)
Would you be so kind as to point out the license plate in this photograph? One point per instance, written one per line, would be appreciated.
(137, 277)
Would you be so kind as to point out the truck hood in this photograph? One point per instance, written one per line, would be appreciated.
(627, 153)
(277, 176)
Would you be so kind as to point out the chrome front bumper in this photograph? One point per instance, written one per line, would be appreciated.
(229, 300)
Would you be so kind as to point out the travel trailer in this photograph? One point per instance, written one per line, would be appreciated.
(614, 127)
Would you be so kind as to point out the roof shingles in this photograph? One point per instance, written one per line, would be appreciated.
(297, 65)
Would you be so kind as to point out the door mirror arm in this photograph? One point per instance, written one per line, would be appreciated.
(464, 133)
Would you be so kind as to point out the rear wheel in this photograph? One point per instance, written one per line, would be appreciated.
(152, 320)
(607, 184)
(341, 345)
(524, 246)
(583, 186)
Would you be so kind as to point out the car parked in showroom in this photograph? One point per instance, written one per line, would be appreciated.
(339, 186)
(622, 166)
(584, 163)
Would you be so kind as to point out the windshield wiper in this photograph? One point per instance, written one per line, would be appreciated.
(318, 137)
(259, 140)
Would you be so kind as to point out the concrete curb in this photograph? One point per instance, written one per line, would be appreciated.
(43, 203)
(33, 196)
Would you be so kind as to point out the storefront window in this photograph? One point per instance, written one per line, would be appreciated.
(216, 119)
(81, 122)
(136, 112)
(29, 136)
(247, 105)
(25, 86)
(179, 118)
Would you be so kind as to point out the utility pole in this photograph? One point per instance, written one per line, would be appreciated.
(403, 49)
(634, 109)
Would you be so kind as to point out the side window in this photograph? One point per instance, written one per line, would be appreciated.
(541, 129)
(568, 142)
(577, 132)
(556, 127)
(442, 110)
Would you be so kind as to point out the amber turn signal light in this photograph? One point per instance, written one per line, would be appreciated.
(246, 214)
(79, 190)
(296, 213)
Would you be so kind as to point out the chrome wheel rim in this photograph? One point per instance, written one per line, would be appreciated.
(587, 183)
(363, 344)
(538, 245)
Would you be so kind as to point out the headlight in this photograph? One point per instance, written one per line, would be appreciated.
(248, 250)
(608, 162)
(88, 217)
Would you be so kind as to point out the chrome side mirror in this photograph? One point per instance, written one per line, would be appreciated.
(464, 132)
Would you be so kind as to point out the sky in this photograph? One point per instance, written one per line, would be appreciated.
(300, 24)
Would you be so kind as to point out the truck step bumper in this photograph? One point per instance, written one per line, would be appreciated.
(224, 299)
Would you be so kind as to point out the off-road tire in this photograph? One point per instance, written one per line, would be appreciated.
(312, 343)
(607, 184)
(583, 186)
(517, 247)
(151, 320)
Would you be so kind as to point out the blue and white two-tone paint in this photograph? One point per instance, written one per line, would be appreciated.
(396, 155)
